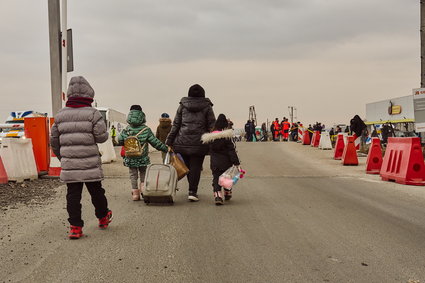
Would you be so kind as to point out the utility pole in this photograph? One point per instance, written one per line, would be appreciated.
(291, 113)
(422, 44)
(55, 53)
(64, 46)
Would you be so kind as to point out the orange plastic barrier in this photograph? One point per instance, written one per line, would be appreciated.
(306, 138)
(316, 139)
(403, 162)
(339, 147)
(38, 130)
(349, 156)
(374, 157)
(3, 175)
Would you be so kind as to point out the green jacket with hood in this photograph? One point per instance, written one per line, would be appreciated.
(136, 122)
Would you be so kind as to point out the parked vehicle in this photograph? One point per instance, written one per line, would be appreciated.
(113, 117)
(14, 124)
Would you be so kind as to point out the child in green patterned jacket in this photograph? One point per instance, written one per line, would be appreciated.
(137, 165)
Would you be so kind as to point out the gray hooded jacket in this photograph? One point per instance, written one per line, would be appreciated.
(74, 137)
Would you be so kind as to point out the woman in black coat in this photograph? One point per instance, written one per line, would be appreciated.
(223, 155)
(194, 118)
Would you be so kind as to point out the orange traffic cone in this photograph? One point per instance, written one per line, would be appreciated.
(349, 156)
(374, 157)
(316, 138)
(306, 138)
(339, 147)
(313, 139)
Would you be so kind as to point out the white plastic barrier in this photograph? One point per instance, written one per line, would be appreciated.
(107, 151)
(18, 159)
(325, 141)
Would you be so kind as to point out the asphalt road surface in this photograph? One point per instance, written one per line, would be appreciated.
(298, 216)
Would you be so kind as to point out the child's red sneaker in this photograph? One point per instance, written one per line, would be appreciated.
(104, 221)
(76, 232)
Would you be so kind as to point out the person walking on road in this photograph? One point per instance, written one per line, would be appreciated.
(137, 164)
(74, 136)
(114, 135)
(264, 132)
(163, 129)
(194, 117)
(249, 134)
(252, 131)
(223, 155)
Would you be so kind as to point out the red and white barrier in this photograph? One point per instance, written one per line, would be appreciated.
(55, 166)
(3, 175)
(300, 134)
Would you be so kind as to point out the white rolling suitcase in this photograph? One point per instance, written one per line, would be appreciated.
(160, 184)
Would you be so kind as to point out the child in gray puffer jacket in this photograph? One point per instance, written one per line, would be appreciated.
(74, 136)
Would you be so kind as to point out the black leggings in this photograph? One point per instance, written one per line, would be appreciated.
(216, 174)
(194, 163)
(73, 201)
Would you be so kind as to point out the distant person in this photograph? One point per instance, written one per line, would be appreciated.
(310, 131)
(230, 124)
(252, 130)
(285, 129)
(163, 129)
(294, 132)
(264, 130)
(357, 125)
(276, 129)
(223, 155)
(338, 130)
(247, 128)
(332, 135)
(386, 132)
(194, 117)
(137, 164)
(347, 130)
(74, 136)
(114, 135)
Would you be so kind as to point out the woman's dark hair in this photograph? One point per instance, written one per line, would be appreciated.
(221, 123)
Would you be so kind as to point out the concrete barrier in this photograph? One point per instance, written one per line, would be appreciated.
(107, 151)
(18, 159)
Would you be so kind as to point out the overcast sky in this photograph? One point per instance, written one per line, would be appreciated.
(328, 58)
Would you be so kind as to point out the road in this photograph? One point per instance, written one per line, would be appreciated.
(298, 216)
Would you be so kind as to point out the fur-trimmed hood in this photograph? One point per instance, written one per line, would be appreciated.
(210, 137)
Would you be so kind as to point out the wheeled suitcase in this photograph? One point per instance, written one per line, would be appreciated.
(160, 184)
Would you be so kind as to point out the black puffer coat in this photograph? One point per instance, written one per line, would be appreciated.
(222, 149)
(194, 118)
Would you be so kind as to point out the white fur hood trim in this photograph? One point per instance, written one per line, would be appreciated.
(210, 137)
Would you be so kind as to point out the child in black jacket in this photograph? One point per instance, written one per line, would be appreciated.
(223, 155)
